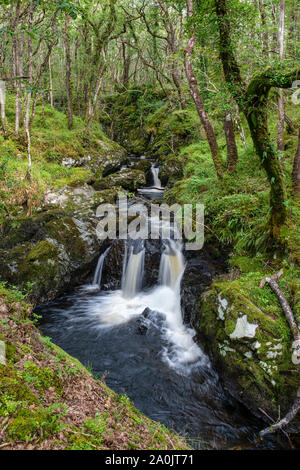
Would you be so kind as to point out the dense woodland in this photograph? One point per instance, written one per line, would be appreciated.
(229, 55)
(210, 91)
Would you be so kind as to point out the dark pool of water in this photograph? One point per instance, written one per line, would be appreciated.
(191, 402)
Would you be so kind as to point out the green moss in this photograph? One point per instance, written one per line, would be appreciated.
(65, 231)
(42, 251)
(42, 377)
(36, 423)
(75, 177)
(128, 179)
(260, 365)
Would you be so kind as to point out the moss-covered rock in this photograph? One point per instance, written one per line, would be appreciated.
(251, 349)
(62, 250)
(128, 179)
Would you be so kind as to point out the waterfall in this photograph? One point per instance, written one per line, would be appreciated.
(171, 265)
(99, 268)
(156, 180)
(133, 270)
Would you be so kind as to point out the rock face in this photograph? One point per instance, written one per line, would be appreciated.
(128, 179)
(110, 159)
(48, 253)
(249, 348)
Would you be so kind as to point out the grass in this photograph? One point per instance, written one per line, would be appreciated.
(52, 142)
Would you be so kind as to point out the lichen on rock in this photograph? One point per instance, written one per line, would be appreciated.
(248, 347)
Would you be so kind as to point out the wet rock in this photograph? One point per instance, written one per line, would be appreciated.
(171, 170)
(127, 178)
(201, 268)
(58, 252)
(150, 322)
(110, 158)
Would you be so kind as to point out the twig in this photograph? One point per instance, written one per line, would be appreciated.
(272, 283)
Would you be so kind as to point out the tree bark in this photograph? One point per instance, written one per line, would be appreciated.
(296, 171)
(265, 35)
(68, 71)
(280, 142)
(2, 104)
(50, 83)
(29, 94)
(193, 85)
(232, 152)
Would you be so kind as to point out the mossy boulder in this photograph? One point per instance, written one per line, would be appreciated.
(62, 251)
(128, 179)
(251, 349)
(109, 158)
(171, 170)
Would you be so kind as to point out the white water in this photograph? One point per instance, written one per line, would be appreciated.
(122, 306)
(133, 273)
(156, 180)
(99, 269)
(171, 266)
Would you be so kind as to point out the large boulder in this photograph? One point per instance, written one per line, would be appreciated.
(79, 201)
(250, 348)
(109, 159)
(59, 251)
(127, 178)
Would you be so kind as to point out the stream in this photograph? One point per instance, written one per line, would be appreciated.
(136, 337)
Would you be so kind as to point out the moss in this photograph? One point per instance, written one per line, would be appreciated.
(260, 366)
(42, 377)
(42, 251)
(36, 423)
(128, 179)
(77, 177)
(14, 389)
(66, 232)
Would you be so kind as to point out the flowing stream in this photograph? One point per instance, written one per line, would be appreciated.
(137, 337)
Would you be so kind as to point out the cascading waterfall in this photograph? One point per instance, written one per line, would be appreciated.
(98, 272)
(171, 265)
(156, 180)
(133, 270)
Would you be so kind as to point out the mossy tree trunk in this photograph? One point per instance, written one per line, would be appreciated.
(296, 172)
(232, 151)
(258, 124)
(253, 101)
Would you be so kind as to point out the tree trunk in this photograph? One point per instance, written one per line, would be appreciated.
(29, 94)
(2, 104)
(296, 172)
(16, 66)
(68, 72)
(253, 101)
(193, 85)
(50, 84)
(258, 124)
(280, 142)
(265, 35)
(126, 65)
(232, 152)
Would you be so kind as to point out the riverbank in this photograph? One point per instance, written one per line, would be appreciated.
(49, 400)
